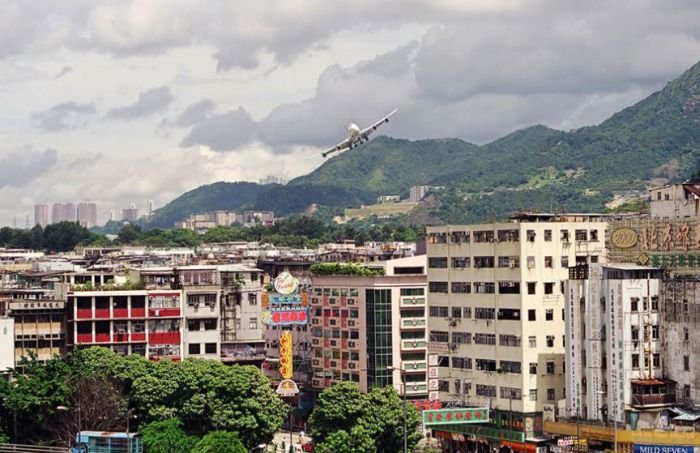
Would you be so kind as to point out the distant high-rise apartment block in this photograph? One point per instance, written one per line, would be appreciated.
(130, 214)
(417, 193)
(41, 215)
(63, 212)
(273, 180)
(87, 214)
(149, 208)
(112, 215)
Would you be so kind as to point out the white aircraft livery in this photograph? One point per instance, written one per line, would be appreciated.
(357, 136)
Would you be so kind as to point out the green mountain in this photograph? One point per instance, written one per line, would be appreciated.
(537, 168)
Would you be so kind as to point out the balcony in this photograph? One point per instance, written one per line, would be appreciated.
(163, 312)
(413, 345)
(120, 312)
(414, 365)
(102, 338)
(84, 313)
(164, 338)
(120, 337)
(138, 336)
(138, 312)
(413, 323)
(653, 393)
(412, 302)
(417, 388)
(83, 338)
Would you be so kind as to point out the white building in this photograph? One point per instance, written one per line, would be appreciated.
(675, 200)
(417, 193)
(87, 214)
(496, 311)
(614, 349)
(7, 344)
(41, 215)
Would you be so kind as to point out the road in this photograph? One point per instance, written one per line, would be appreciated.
(283, 436)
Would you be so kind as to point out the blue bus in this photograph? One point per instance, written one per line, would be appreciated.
(107, 442)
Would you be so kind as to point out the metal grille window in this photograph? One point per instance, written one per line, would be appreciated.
(464, 363)
(533, 367)
(437, 287)
(439, 336)
(564, 261)
(439, 311)
(443, 386)
(551, 368)
(483, 236)
(511, 367)
(509, 287)
(533, 394)
(548, 235)
(485, 338)
(484, 287)
(486, 390)
(467, 312)
(532, 341)
(550, 395)
(456, 312)
(485, 365)
(461, 262)
(484, 313)
(510, 393)
(483, 262)
(459, 237)
(508, 235)
(461, 338)
(548, 262)
(581, 235)
(461, 287)
(509, 340)
(437, 262)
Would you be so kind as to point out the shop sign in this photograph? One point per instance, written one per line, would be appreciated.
(286, 355)
(457, 415)
(624, 238)
(287, 387)
(663, 449)
(285, 283)
(285, 316)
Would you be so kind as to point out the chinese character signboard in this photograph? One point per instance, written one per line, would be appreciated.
(439, 417)
(286, 355)
(286, 306)
(668, 243)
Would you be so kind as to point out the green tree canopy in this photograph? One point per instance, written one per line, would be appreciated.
(220, 442)
(167, 436)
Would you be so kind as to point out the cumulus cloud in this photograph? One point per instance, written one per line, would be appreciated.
(195, 113)
(67, 115)
(222, 132)
(148, 103)
(21, 167)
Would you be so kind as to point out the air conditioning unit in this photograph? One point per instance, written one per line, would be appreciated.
(452, 323)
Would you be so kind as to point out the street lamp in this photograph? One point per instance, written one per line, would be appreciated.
(77, 409)
(403, 384)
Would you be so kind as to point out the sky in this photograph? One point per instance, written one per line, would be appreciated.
(119, 102)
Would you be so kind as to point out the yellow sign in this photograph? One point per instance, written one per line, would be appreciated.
(286, 355)
(287, 388)
(624, 238)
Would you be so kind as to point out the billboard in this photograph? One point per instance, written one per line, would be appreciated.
(286, 355)
(286, 306)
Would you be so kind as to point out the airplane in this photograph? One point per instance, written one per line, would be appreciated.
(357, 136)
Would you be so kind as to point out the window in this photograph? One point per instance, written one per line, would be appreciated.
(564, 261)
(530, 262)
(210, 348)
(461, 338)
(594, 259)
(655, 332)
(531, 235)
(531, 315)
(550, 395)
(686, 334)
(437, 287)
(510, 393)
(635, 360)
(253, 325)
(549, 288)
(548, 235)
(656, 360)
(443, 386)
(460, 262)
(439, 311)
(532, 341)
(485, 338)
(437, 262)
(484, 287)
(533, 367)
(581, 235)
(456, 312)
(686, 391)
(461, 287)
(464, 363)
(210, 324)
(564, 235)
(510, 367)
(404, 292)
(439, 336)
(467, 312)
(508, 287)
(634, 304)
(563, 314)
(252, 299)
(551, 368)
(550, 341)
(686, 363)
(486, 390)
(549, 314)
(594, 235)
(655, 303)
(483, 261)
(667, 196)
(509, 340)
(509, 314)
(194, 348)
(531, 287)
(548, 262)
(533, 394)
(658, 195)
(485, 365)
(192, 324)
(484, 313)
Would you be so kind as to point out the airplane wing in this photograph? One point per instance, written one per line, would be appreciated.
(367, 131)
(342, 146)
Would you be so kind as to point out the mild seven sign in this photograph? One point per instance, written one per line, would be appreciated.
(665, 449)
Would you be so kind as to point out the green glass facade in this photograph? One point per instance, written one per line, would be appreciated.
(379, 344)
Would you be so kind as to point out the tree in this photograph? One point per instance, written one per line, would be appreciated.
(167, 436)
(129, 233)
(358, 440)
(64, 236)
(338, 406)
(383, 419)
(220, 442)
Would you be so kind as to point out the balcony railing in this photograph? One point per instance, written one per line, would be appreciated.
(653, 400)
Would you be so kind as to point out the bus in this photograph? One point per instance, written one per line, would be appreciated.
(107, 442)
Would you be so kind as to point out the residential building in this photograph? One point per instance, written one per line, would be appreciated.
(496, 316)
(130, 214)
(41, 215)
(372, 329)
(7, 343)
(87, 214)
(388, 199)
(417, 193)
(147, 323)
(63, 212)
(202, 296)
(675, 200)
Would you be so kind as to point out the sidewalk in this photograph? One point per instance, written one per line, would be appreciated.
(283, 437)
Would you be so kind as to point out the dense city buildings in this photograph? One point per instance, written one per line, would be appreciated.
(63, 212)
(87, 214)
(206, 220)
(41, 215)
(496, 315)
(372, 329)
(675, 200)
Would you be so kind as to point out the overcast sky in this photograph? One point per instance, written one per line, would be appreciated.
(125, 101)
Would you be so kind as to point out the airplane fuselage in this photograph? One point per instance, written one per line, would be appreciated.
(353, 130)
